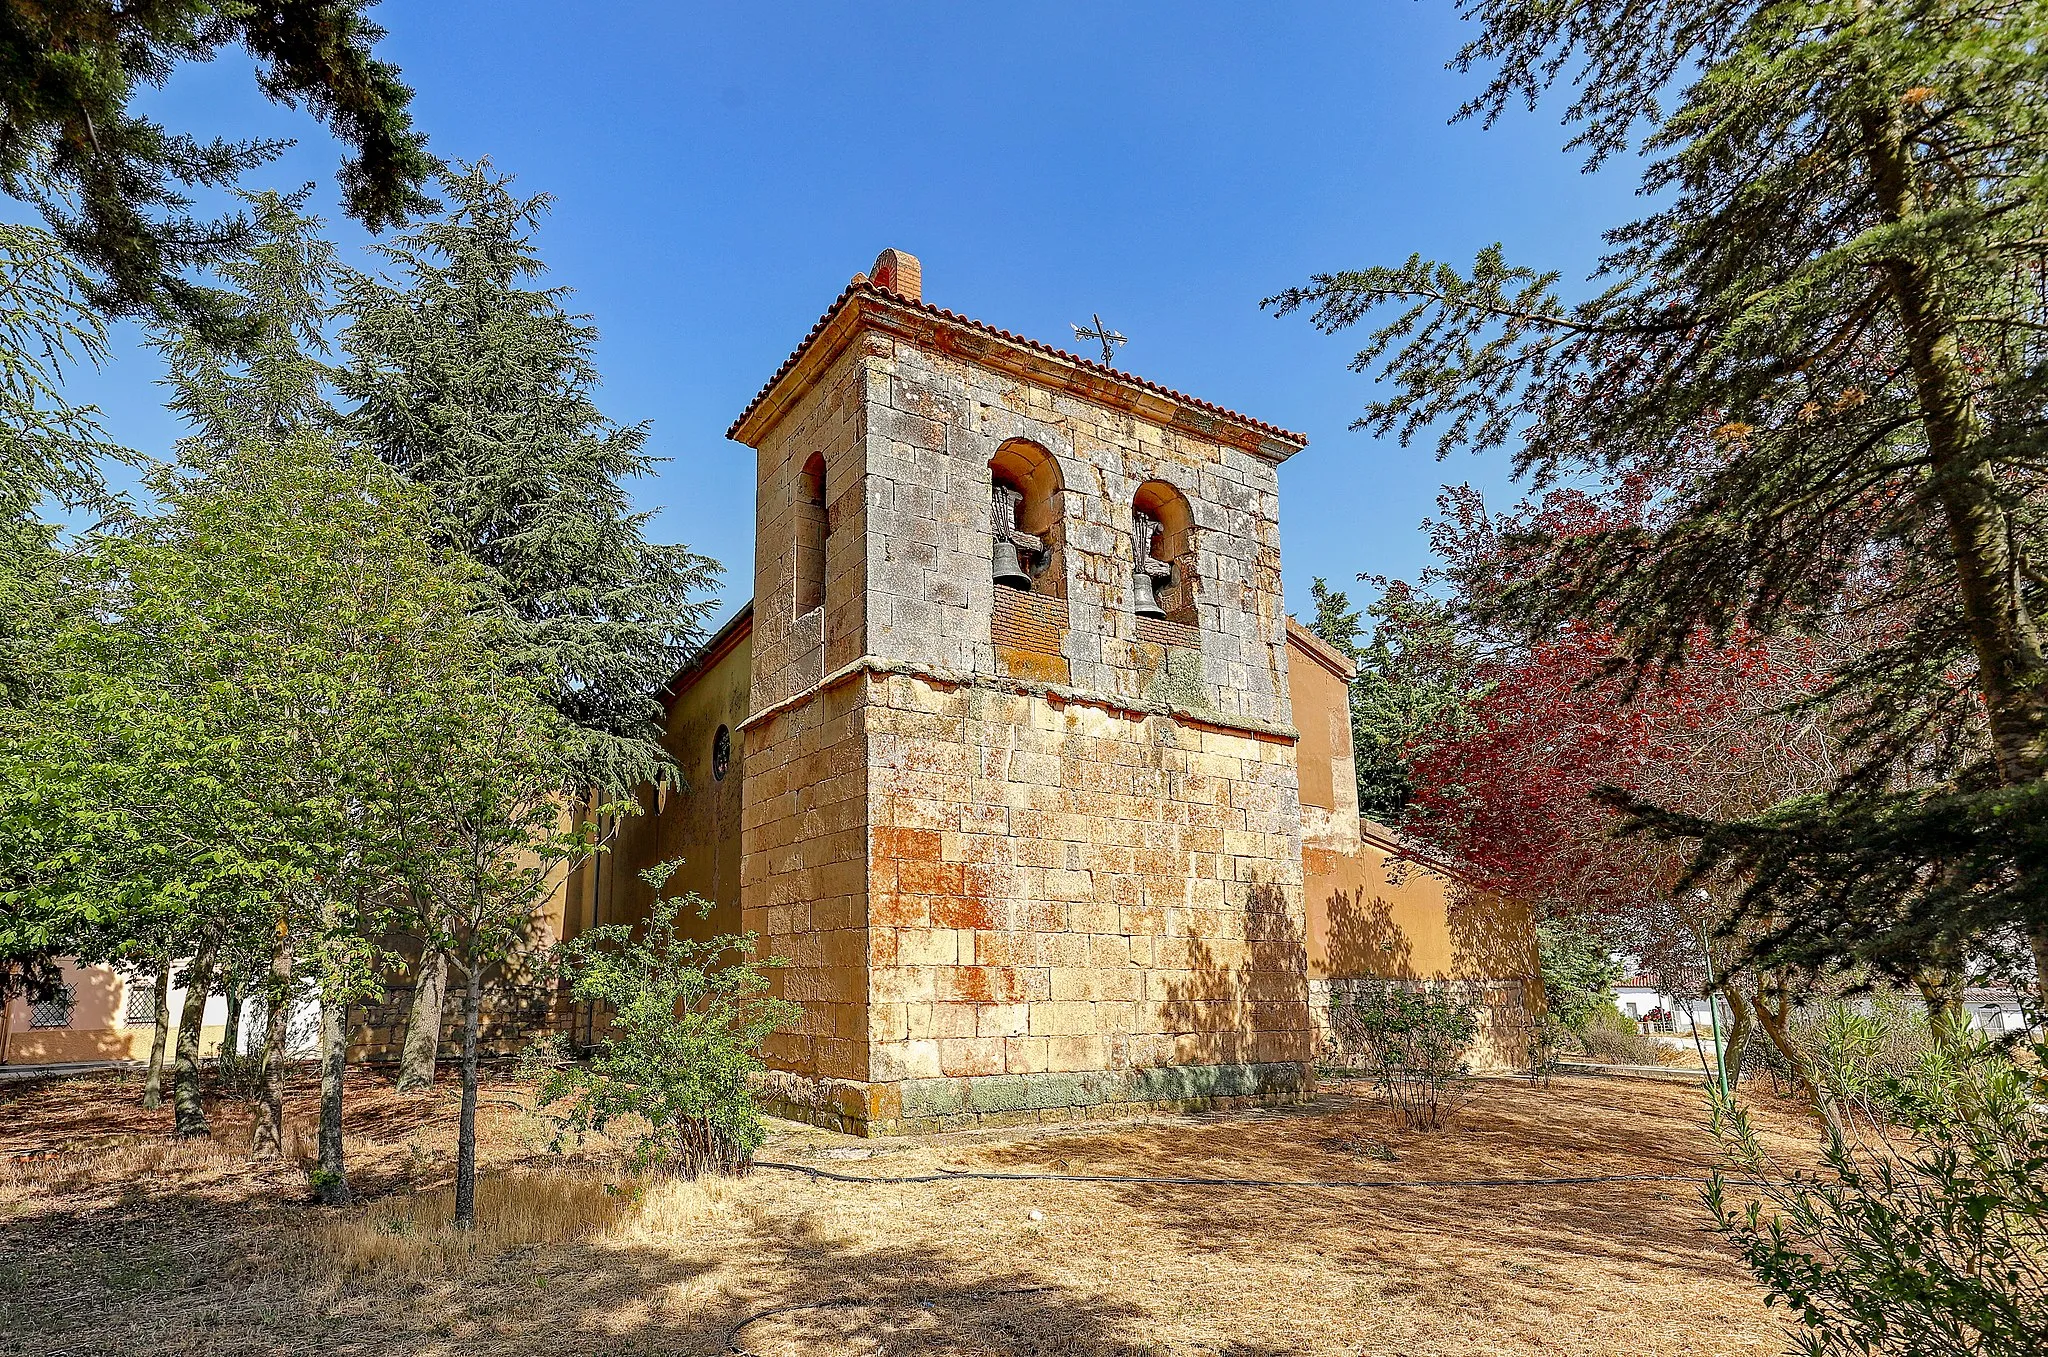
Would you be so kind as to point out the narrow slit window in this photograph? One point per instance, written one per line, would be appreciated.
(810, 535)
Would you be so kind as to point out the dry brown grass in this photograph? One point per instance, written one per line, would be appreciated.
(181, 1250)
(411, 1237)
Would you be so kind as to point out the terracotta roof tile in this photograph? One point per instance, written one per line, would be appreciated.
(861, 285)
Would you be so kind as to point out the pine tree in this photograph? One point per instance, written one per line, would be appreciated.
(1826, 347)
(111, 183)
(1416, 675)
(1337, 622)
(481, 389)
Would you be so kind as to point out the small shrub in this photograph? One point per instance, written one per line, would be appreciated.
(238, 1077)
(682, 1052)
(1612, 1035)
(1928, 1238)
(1857, 1049)
(1862, 1051)
(1412, 1044)
(1544, 1038)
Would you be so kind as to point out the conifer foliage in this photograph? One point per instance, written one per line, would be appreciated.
(112, 183)
(481, 387)
(1826, 348)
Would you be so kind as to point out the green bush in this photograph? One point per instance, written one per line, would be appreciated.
(1855, 1049)
(1412, 1044)
(1928, 1237)
(1578, 972)
(1611, 1035)
(682, 1051)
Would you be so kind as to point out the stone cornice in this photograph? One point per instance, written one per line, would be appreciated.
(1057, 693)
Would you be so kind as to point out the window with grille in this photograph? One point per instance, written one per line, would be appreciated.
(54, 1011)
(140, 1010)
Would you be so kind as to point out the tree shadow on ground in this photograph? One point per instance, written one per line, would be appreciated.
(1425, 1237)
(184, 1272)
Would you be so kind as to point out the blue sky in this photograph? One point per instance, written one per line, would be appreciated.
(721, 172)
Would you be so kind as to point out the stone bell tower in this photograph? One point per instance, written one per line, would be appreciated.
(1021, 808)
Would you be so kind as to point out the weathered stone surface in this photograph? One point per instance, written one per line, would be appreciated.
(1037, 858)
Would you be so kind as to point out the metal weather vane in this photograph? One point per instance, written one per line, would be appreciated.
(1103, 335)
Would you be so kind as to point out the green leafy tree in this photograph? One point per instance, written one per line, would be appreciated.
(1414, 673)
(267, 635)
(112, 184)
(1336, 621)
(481, 389)
(682, 1051)
(1416, 677)
(1825, 349)
(49, 449)
(1578, 972)
(264, 651)
(477, 812)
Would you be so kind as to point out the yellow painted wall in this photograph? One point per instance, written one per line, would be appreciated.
(1368, 916)
(698, 822)
(97, 1029)
(1372, 917)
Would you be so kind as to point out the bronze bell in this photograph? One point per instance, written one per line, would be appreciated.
(1009, 566)
(1145, 594)
(1144, 581)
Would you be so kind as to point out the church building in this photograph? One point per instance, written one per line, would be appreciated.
(1016, 759)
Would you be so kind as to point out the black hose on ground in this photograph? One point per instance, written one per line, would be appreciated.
(953, 1175)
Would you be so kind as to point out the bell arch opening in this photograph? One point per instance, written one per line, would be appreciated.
(1026, 513)
(1163, 554)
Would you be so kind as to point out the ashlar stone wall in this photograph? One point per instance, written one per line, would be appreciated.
(1075, 907)
(803, 817)
(1005, 898)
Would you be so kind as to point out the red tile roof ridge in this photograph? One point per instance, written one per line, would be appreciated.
(863, 285)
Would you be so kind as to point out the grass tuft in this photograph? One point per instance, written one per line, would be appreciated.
(411, 1237)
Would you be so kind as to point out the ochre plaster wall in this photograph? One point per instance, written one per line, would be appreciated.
(98, 1028)
(698, 821)
(1373, 918)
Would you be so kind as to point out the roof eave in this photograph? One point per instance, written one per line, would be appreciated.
(714, 649)
(864, 306)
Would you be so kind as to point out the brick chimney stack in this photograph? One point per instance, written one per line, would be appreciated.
(899, 273)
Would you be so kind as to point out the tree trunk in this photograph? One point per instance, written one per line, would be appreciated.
(1941, 989)
(1735, 1040)
(423, 1026)
(1777, 1027)
(465, 1136)
(330, 1181)
(2012, 656)
(2039, 940)
(231, 1024)
(187, 1098)
(266, 1132)
(159, 1040)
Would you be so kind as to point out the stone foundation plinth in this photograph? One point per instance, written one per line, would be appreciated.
(918, 1106)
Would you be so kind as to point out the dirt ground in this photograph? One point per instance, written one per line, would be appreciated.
(114, 1241)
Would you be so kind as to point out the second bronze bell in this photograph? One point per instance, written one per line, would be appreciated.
(1009, 566)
